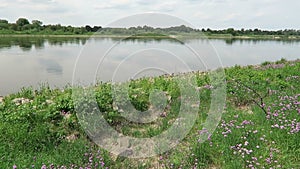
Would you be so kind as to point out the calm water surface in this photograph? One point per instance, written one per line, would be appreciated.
(32, 61)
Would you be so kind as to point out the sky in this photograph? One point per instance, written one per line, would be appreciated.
(214, 14)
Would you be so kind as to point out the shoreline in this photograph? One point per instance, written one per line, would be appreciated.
(254, 66)
(185, 36)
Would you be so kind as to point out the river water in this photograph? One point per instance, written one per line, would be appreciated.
(32, 61)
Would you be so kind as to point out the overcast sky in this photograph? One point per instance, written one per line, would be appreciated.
(215, 14)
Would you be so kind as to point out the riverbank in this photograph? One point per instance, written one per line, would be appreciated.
(180, 36)
(260, 125)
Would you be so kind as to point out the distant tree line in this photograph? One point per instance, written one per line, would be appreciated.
(241, 32)
(24, 26)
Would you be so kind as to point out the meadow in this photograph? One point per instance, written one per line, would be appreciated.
(259, 128)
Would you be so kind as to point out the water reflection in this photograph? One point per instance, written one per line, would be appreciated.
(27, 43)
(232, 41)
(51, 66)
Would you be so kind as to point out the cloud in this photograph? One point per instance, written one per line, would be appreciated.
(267, 14)
(3, 5)
(116, 4)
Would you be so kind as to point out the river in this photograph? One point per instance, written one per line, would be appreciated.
(32, 61)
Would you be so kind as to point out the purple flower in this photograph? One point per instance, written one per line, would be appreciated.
(15, 167)
(203, 131)
(254, 158)
(268, 160)
(91, 159)
(246, 122)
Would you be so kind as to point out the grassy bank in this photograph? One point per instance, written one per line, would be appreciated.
(260, 126)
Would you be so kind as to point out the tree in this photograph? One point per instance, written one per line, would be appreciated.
(88, 28)
(22, 21)
(13, 26)
(37, 23)
(3, 21)
(230, 30)
(96, 28)
(3, 24)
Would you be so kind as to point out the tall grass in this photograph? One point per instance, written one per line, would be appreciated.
(260, 126)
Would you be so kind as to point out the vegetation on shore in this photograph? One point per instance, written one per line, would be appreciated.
(23, 27)
(260, 126)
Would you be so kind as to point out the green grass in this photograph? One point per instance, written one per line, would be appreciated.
(260, 125)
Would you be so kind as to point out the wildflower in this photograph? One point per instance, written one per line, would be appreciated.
(203, 131)
(268, 160)
(14, 167)
(245, 122)
(254, 158)
(209, 137)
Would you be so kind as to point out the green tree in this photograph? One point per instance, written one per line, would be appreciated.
(230, 31)
(37, 23)
(88, 28)
(3, 21)
(3, 24)
(13, 26)
(22, 21)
